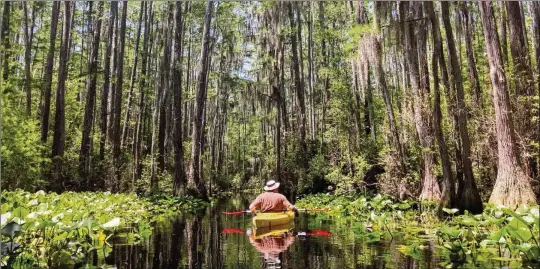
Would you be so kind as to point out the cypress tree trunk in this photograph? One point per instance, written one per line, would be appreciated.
(6, 15)
(117, 98)
(195, 183)
(136, 149)
(133, 76)
(536, 17)
(179, 173)
(47, 78)
(106, 79)
(447, 184)
(416, 54)
(471, 62)
(60, 113)
(468, 194)
(523, 80)
(512, 186)
(28, 37)
(86, 142)
(299, 89)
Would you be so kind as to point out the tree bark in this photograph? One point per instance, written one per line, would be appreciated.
(536, 18)
(86, 142)
(113, 13)
(380, 77)
(471, 62)
(468, 194)
(512, 186)
(47, 78)
(117, 98)
(523, 79)
(447, 185)
(6, 44)
(179, 173)
(299, 89)
(195, 183)
(415, 37)
(133, 77)
(60, 113)
(28, 37)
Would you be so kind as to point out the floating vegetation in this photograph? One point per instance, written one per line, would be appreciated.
(498, 234)
(48, 229)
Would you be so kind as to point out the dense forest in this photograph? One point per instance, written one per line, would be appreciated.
(431, 100)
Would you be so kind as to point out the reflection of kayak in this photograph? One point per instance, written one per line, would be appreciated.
(269, 220)
(274, 231)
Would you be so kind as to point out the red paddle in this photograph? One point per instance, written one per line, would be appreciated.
(247, 211)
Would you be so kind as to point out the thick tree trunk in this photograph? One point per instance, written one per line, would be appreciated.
(468, 194)
(179, 173)
(415, 37)
(86, 142)
(195, 182)
(512, 187)
(60, 113)
(106, 79)
(133, 76)
(47, 78)
(523, 80)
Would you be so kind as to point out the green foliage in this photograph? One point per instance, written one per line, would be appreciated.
(59, 229)
(23, 154)
(496, 234)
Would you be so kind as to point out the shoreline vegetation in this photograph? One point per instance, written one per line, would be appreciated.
(50, 229)
(510, 236)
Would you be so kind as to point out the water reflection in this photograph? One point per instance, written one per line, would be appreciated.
(213, 240)
(272, 242)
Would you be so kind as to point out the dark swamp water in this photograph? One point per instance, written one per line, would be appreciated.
(214, 240)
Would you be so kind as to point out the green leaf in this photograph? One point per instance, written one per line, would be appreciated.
(451, 211)
(20, 212)
(11, 230)
(498, 235)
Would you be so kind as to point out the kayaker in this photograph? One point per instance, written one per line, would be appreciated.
(271, 200)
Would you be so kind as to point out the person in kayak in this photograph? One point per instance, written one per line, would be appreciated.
(271, 200)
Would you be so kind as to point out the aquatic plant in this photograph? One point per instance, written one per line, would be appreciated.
(498, 234)
(49, 229)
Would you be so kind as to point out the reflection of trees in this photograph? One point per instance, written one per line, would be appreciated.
(194, 235)
(177, 242)
(214, 255)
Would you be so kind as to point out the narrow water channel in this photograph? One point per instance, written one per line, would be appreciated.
(214, 240)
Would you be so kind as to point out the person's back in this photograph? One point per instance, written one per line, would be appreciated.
(271, 200)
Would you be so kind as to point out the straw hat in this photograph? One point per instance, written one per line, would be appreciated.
(271, 185)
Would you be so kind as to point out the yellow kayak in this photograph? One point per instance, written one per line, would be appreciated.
(269, 220)
(275, 231)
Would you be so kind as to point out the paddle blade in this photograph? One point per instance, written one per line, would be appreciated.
(234, 212)
(232, 231)
(319, 233)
